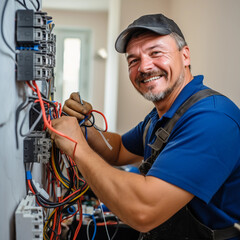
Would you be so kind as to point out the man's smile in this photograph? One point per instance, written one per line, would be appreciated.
(150, 79)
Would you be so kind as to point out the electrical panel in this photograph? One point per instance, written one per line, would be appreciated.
(35, 61)
(36, 45)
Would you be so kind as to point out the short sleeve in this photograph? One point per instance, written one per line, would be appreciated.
(133, 139)
(201, 153)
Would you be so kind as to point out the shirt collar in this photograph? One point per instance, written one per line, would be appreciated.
(193, 86)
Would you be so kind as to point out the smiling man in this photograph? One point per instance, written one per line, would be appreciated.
(151, 60)
(190, 181)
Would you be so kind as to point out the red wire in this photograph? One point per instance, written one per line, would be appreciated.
(70, 215)
(105, 120)
(107, 223)
(46, 122)
(30, 186)
(80, 220)
(59, 225)
(73, 164)
(54, 225)
(34, 90)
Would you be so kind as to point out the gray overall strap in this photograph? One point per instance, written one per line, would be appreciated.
(162, 134)
(163, 231)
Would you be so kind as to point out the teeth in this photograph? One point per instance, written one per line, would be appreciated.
(151, 79)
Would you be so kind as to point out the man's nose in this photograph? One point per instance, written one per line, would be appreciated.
(146, 64)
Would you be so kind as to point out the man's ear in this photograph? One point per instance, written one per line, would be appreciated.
(186, 56)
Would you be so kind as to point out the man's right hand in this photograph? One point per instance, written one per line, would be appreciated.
(73, 107)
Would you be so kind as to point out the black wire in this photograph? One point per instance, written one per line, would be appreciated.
(59, 210)
(2, 33)
(24, 2)
(91, 121)
(50, 229)
(38, 5)
(116, 230)
(34, 124)
(21, 4)
(44, 99)
(48, 204)
(38, 8)
(19, 109)
(57, 165)
(33, 5)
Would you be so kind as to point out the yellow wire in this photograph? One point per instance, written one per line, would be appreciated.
(56, 172)
(45, 225)
(64, 183)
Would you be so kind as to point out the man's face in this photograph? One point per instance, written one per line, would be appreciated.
(156, 66)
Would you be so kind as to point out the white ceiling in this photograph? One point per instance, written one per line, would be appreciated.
(84, 5)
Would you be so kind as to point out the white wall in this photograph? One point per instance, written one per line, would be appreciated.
(213, 34)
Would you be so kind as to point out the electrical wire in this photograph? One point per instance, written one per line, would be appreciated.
(117, 227)
(80, 221)
(105, 120)
(74, 187)
(104, 220)
(105, 140)
(46, 121)
(36, 7)
(32, 127)
(88, 226)
(21, 4)
(18, 110)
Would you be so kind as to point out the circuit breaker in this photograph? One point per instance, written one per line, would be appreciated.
(37, 147)
(29, 220)
(36, 46)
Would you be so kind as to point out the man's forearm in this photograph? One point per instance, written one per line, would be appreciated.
(106, 144)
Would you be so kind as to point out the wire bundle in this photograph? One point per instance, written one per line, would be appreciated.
(63, 184)
(72, 186)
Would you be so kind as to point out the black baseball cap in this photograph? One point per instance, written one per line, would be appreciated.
(157, 23)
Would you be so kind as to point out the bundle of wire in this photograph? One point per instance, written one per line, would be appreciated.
(64, 184)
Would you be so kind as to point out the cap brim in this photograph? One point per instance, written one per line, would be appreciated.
(124, 37)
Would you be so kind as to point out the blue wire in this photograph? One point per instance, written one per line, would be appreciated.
(95, 224)
(81, 122)
(50, 113)
(71, 210)
(28, 175)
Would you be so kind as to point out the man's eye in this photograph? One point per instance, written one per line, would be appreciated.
(156, 53)
(132, 62)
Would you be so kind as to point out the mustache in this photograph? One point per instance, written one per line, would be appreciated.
(142, 76)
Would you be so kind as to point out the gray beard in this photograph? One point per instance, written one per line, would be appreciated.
(162, 95)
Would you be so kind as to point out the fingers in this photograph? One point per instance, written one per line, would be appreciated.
(87, 106)
(73, 110)
(73, 107)
(54, 126)
(65, 133)
(75, 96)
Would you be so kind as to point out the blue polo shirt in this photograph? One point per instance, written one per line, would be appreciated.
(202, 155)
